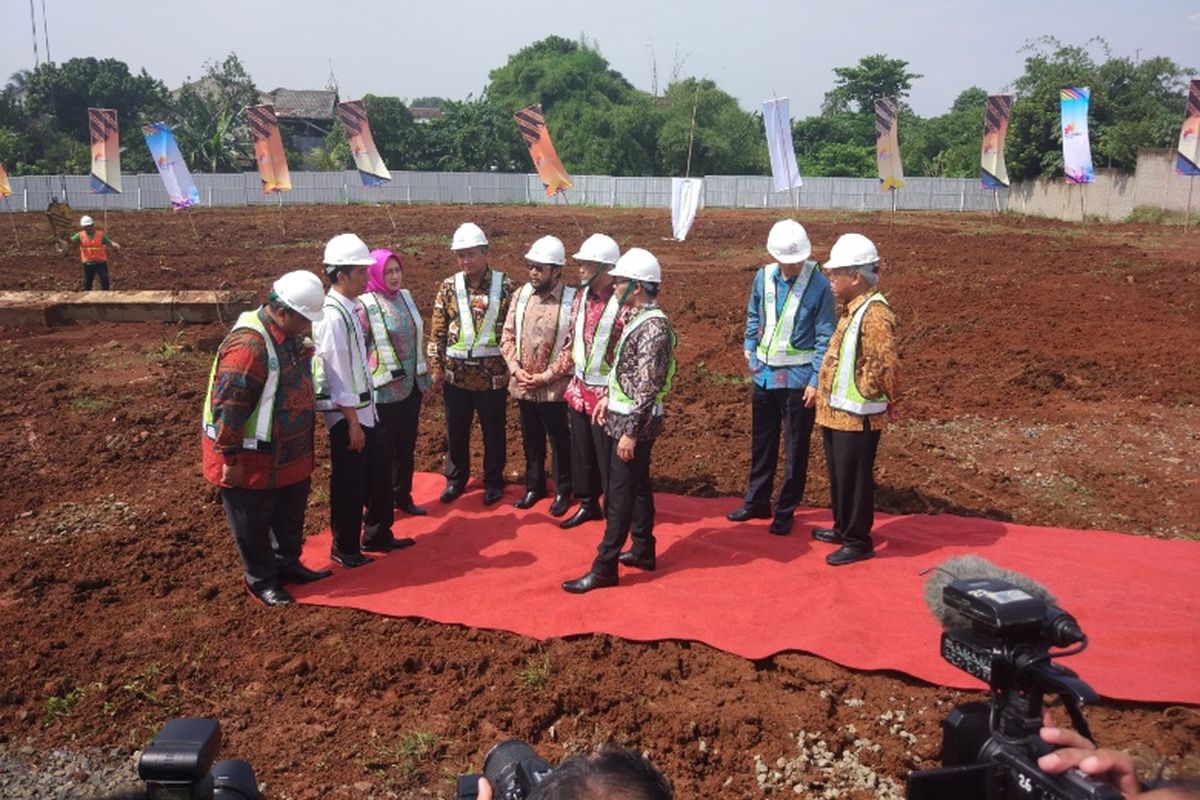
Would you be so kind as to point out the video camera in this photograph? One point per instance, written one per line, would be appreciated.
(512, 768)
(178, 765)
(1002, 634)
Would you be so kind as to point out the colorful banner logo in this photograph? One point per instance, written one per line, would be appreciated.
(532, 125)
(1077, 149)
(5, 188)
(992, 171)
(887, 144)
(268, 149)
(1187, 157)
(106, 151)
(777, 118)
(174, 173)
(367, 160)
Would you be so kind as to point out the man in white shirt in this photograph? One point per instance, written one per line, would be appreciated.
(343, 387)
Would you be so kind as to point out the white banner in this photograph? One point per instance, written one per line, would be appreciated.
(685, 199)
(777, 118)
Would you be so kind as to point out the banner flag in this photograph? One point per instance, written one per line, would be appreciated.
(992, 171)
(174, 172)
(532, 125)
(1187, 158)
(106, 151)
(777, 117)
(5, 188)
(685, 199)
(367, 160)
(1077, 150)
(887, 144)
(268, 149)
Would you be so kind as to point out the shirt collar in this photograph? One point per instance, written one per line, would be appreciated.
(485, 281)
(346, 302)
(277, 333)
(853, 305)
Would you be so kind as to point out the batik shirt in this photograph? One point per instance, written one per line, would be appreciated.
(475, 374)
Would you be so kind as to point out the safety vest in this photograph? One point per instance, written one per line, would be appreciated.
(360, 378)
(469, 345)
(775, 340)
(387, 363)
(561, 326)
(845, 394)
(591, 366)
(91, 248)
(256, 435)
(618, 401)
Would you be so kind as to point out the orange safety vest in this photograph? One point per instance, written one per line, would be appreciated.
(91, 248)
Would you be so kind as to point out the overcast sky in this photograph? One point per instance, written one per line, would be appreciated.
(751, 48)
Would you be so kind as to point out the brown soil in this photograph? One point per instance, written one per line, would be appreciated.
(1049, 379)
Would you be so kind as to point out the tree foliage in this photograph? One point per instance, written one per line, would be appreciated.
(857, 88)
(210, 116)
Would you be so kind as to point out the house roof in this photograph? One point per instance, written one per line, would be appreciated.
(425, 112)
(302, 103)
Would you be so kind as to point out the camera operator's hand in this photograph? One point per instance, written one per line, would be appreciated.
(1115, 766)
(485, 790)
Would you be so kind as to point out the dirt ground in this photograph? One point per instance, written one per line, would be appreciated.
(1049, 378)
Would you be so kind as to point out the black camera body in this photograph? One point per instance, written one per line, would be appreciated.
(990, 750)
(178, 765)
(513, 769)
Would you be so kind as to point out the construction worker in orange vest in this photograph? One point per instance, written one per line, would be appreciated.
(93, 253)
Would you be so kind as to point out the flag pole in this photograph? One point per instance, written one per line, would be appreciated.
(192, 222)
(282, 227)
(1082, 214)
(892, 222)
(1187, 215)
(388, 210)
(563, 194)
(687, 170)
(17, 235)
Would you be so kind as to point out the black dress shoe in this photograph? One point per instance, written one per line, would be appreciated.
(827, 535)
(780, 526)
(451, 492)
(388, 545)
(270, 594)
(349, 560)
(298, 573)
(630, 560)
(848, 555)
(747, 512)
(588, 510)
(560, 505)
(492, 496)
(411, 508)
(526, 501)
(593, 580)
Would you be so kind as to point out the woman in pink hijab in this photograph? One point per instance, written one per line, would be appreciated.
(395, 334)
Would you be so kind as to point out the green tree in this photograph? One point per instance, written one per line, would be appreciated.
(727, 140)
(472, 135)
(396, 135)
(835, 144)
(210, 119)
(875, 76)
(948, 145)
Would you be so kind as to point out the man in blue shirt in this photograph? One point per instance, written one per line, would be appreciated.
(789, 320)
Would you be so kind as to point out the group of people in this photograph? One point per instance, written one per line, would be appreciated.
(589, 367)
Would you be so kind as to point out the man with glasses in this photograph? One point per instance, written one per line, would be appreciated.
(535, 346)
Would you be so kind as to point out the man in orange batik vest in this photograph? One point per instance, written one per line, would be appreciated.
(93, 254)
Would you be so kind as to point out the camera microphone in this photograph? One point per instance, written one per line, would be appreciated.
(1059, 628)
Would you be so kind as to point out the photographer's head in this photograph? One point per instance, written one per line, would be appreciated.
(613, 773)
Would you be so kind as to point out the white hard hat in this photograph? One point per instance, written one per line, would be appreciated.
(302, 292)
(852, 250)
(599, 248)
(85, 220)
(638, 265)
(347, 250)
(547, 250)
(788, 242)
(467, 236)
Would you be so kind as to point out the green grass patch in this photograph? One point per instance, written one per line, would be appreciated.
(1161, 216)
(536, 673)
(91, 403)
(61, 705)
(720, 378)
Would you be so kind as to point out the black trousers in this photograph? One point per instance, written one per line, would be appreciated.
(268, 528)
(398, 431)
(591, 447)
(349, 489)
(771, 411)
(628, 508)
(92, 270)
(850, 456)
(461, 406)
(539, 420)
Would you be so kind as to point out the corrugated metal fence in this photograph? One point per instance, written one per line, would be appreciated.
(33, 193)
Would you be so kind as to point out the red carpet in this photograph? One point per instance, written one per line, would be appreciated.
(739, 589)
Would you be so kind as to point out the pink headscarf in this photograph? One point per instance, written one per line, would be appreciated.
(376, 282)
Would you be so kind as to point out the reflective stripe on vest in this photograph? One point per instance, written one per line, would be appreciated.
(775, 340)
(360, 378)
(845, 394)
(618, 401)
(387, 363)
(91, 248)
(466, 346)
(592, 367)
(562, 324)
(256, 434)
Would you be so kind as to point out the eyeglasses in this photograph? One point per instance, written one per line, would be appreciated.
(542, 267)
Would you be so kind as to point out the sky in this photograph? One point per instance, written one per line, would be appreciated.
(753, 49)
